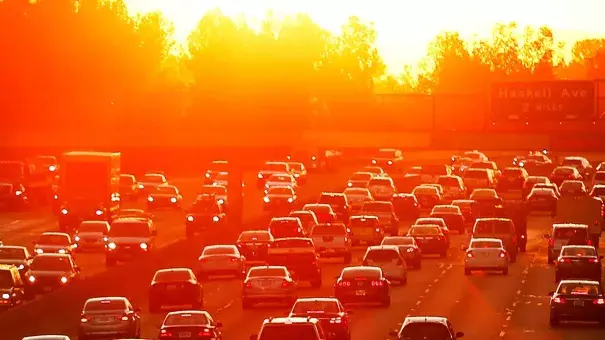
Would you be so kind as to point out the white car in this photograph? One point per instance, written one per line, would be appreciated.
(389, 260)
(453, 187)
(382, 188)
(92, 235)
(357, 197)
(281, 180)
(486, 254)
(332, 240)
(221, 260)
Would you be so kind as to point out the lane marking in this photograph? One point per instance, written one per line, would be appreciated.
(539, 303)
(417, 303)
(427, 290)
(523, 281)
(502, 334)
(519, 292)
(225, 306)
(436, 280)
(508, 318)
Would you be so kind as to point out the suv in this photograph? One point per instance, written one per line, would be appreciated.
(424, 327)
(204, 213)
(332, 240)
(12, 290)
(338, 202)
(129, 238)
(563, 235)
(291, 327)
(500, 228)
(299, 256)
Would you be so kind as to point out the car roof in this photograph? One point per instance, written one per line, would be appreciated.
(202, 312)
(46, 337)
(569, 225)
(425, 319)
(52, 255)
(578, 246)
(328, 193)
(13, 247)
(581, 281)
(54, 233)
(285, 219)
(317, 299)
(383, 247)
(107, 298)
(364, 217)
(486, 239)
(354, 268)
(167, 270)
(290, 320)
(493, 219)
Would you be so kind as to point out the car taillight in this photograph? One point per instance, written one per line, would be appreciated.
(344, 284)
(377, 283)
(557, 299)
(551, 242)
(336, 320)
(502, 254)
(593, 260)
(377, 230)
(234, 259)
(248, 284)
(589, 242)
(469, 254)
(84, 318)
(205, 332)
(286, 284)
(165, 334)
(599, 301)
(125, 317)
(564, 261)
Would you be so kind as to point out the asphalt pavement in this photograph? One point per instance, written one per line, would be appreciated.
(483, 306)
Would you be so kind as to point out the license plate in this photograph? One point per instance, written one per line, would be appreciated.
(423, 241)
(360, 293)
(184, 334)
(578, 303)
(486, 254)
(47, 288)
(105, 320)
(330, 250)
(171, 287)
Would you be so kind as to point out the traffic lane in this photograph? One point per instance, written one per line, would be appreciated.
(530, 318)
(131, 280)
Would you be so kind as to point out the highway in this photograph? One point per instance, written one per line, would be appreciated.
(484, 306)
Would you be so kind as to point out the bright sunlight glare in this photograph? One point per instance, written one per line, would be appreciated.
(405, 27)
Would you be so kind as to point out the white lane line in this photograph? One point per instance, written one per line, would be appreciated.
(436, 280)
(502, 334)
(539, 303)
(518, 292)
(508, 318)
(514, 304)
(443, 272)
(427, 290)
(523, 281)
(225, 306)
(418, 303)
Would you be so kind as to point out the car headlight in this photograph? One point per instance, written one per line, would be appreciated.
(215, 218)
(266, 199)
(64, 211)
(32, 279)
(349, 184)
(390, 162)
(410, 250)
(39, 251)
(150, 199)
(21, 266)
(55, 196)
(52, 168)
(6, 296)
(105, 239)
(99, 212)
(221, 201)
(18, 193)
(290, 200)
(63, 279)
(373, 161)
(207, 175)
(260, 176)
(141, 186)
(77, 238)
(144, 246)
(173, 199)
(297, 175)
(190, 218)
(61, 251)
(111, 246)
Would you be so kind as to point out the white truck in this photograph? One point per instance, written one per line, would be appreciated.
(581, 210)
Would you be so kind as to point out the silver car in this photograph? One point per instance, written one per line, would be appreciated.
(332, 240)
(221, 260)
(54, 243)
(92, 235)
(109, 317)
(268, 284)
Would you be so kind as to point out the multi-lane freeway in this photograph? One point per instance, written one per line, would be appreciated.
(483, 306)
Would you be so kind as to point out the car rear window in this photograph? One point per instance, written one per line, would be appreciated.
(579, 288)
(369, 273)
(569, 232)
(260, 272)
(194, 319)
(485, 244)
(338, 229)
(172, 276)
(292, 243)
(494, 227)
(288, 331)
(377, 207)
(315, 307)
(332, 199)
(577, 251)
(379, 181)
(254, 236)
(425, 330)
(448, 181)
(219, 251)
(100, 305)
(382, 255)
(479, 174)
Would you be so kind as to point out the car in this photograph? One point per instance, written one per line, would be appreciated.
(580, 163)
(279, 197)
(281, 227)
(13, 290)
(427, 197)
(577, 300)
(566, 234)
(478, 178)
(406, 206)
(109, 315)
(430, 239)
(542, 199)
(329, 311)
(598, 178)
(487, 165)
(365, 228)
(332, 240)
(52, 271)
(562, 173)
(17, 256)
(299, 256)
(222, 179)
(453, 187)
(299, 171)
(360, 179)
(338, 202)
(598, 190)
(426, 327)
(461, 164)
(578, 262)
(280, 180)
(407, 247)
(552, 186)
(205, 214)
(129, 238)
(54, 243)
(129, 188)
(362, 284)
(431, 173)
(512, 178)
(391, 159)
(150, 181)
(376, 171)
(485, 254)
(438, 221)
(452, 215)
(254, 244)
(531, 181)
(269, 169)
(190, 324)
(407, 183)
(500, 228)
(466, 208)
(385, 213)
(215, 168)
(175, 286)
(218, 191)
(268, 284)
(390, 260)
(382, 188)
(486, 198)
(13, 196)
(323, 212)
(573, 188)
(306, 217)
(290, 328)
(164, 196)
(221, 260)
(91, 235)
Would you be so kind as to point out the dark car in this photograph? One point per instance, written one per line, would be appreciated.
(407, 247)
(427, 196)
(406, 206)
(302, 263)
(329, 311)
(578, 262)
(425, 328)
(453, 220)
(175, 286)
(205, 213)
(52, 271)
(12, 287)
(254, 244)
(577, 300)
(542, 199)
(190, 325)
(430, 239)
(17, 256)
(338, 202)
(281, 227)
(362, 284)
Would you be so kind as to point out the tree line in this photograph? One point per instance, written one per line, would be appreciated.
(90, 63)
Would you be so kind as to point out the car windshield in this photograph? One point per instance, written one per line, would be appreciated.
(280, 191)
(261, 272)
(7, 253)
(428, 221)
(578, 251)
(382, 255)
(280, 178)
(579, 288)
(598, 190)
(397, 241)
(424, 231)
(572, 185)
(335, 229)
(425, 331)
(463, 204)
(52, 263)
(275, 167)
(129, 229)
(542, 192)
(293, 243)
(166, 191)
(363, 222)
(486, 244)
(315, 307)
(213, 190)
(356, 192)
(153, 178)
(186, 319)
(205, 207)
(58, 240)
(563, 171)
(104, 305)
(478, 174)
(368, 273)
(88, 227)
(483, 194)
(302, 216)
(6, 279)
(494, 226)
(572, 162)
(446, 209)
(512, 173)
(292, 331)
(172, 276)
(448, 181)
(380, 181)
(126, 180)
(332, 199)
(254, 236)
(377, 207)
(434, 169)
(567, 233)
(218, 251)
(296, 166)
(360, 176)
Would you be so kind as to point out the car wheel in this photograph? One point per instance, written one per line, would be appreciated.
(386, 302)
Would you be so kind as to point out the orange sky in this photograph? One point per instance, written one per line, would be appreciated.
(405, 27)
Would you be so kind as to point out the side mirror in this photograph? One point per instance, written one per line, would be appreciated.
(154, 233)
(219, 324)
(253, 337)
(394, 333)
(459, 334)
(551, 293)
